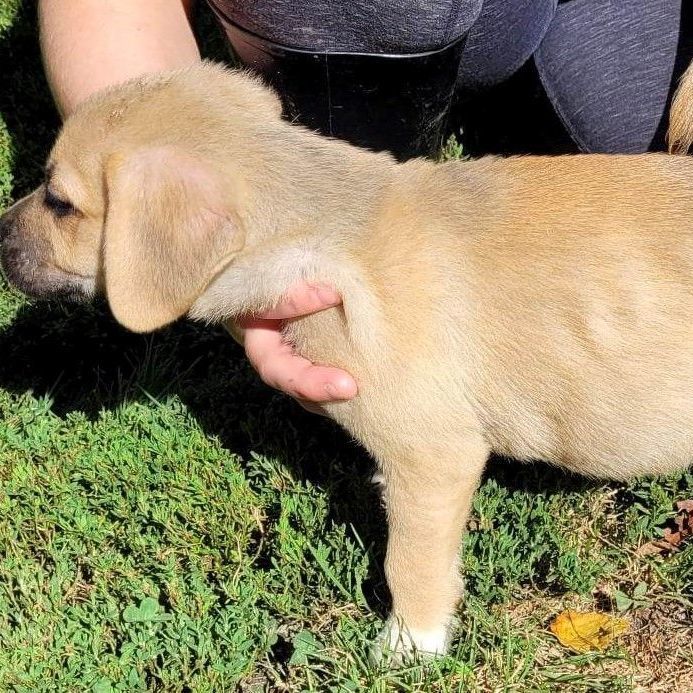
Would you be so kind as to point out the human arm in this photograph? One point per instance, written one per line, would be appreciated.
(90, 44)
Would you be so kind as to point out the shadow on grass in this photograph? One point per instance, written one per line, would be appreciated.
(85, 363)
(80, 358)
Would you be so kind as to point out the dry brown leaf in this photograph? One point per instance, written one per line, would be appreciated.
(672, 538)
(652, 548)
(684, 519)
(583, 632)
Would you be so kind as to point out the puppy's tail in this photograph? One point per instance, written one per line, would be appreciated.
(680, 135)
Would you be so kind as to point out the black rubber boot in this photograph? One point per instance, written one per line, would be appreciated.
(397, 103)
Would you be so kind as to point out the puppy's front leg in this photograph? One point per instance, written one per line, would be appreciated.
(428, 500)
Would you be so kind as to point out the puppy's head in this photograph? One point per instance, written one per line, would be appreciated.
(138, 200)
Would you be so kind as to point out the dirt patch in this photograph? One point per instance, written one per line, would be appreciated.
(661, 645)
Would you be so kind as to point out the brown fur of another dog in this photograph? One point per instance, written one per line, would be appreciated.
(536, 307)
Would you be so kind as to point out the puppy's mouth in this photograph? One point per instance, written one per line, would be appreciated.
(44, 280)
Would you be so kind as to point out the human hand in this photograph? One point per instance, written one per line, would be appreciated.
(278, 364)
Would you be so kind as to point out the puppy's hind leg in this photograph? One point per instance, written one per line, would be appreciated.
(428, 496)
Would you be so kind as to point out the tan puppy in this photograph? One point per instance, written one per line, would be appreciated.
(536, 307)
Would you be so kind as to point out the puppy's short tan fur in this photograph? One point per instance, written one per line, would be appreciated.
(536, 307)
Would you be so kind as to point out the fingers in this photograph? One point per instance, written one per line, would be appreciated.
(303, 299)
(276, 362)
(281, 368)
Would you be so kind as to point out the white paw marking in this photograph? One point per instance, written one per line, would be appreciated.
(397, 643)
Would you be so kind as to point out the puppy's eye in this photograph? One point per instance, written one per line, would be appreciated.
(58, 206)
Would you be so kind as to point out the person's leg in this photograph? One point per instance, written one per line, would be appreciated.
(378, 74)
(502, 39)
(91, 44)
(609, 68)
(353, 26)
(307, 51)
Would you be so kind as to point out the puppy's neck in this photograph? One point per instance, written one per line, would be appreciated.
(308, 209)
(307, 183)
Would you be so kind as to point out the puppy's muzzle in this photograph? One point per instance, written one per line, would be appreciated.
(15, 257)
(25, 260)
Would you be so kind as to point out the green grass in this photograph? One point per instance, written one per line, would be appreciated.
(168, 523)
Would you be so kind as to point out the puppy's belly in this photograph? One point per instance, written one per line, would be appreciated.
(607, 408)
(592, 443)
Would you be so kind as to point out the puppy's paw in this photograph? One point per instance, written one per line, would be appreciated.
(396, 643)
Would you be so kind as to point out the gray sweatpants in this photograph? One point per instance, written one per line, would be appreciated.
(608, 66)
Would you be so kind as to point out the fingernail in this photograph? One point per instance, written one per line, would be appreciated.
(345, 390)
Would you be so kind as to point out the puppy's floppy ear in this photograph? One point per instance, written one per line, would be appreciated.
(168, 232)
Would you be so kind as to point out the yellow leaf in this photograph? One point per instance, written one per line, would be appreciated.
(583, 632)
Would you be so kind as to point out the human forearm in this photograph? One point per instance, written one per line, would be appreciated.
(90, 44)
